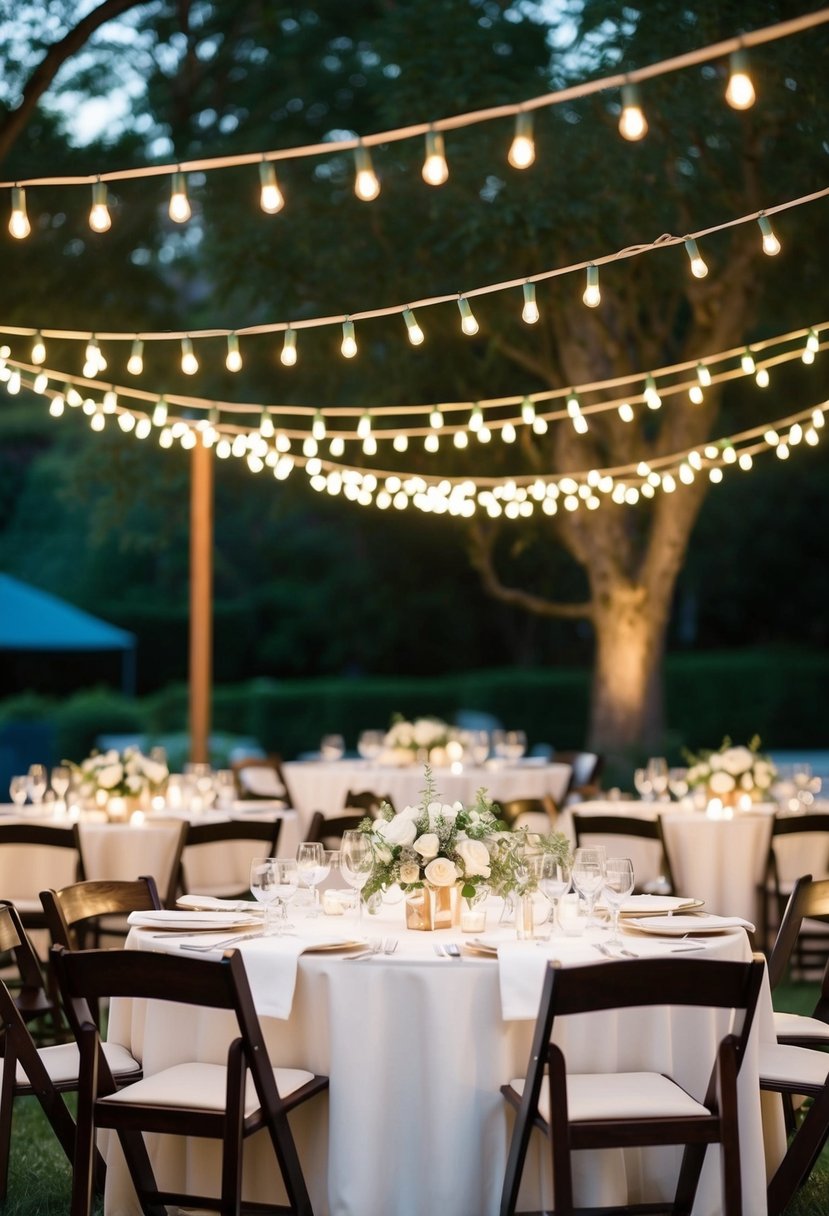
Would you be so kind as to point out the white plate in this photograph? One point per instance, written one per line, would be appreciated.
(658, 905)
(188, 922)
(210, 903)
(679, 926)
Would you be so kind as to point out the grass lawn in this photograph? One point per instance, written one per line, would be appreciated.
(39, 1175)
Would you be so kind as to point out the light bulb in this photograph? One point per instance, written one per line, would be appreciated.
(651, 394)
(747, 362)
(529, 313)
(573, 405)
(626, 412)
(270, 196)
(476, 419)
(318, 426)
(771, 245)
(592, 295)
(435, 170)
(160, 412)
(13, 383)
(762, 378)
(414, 331)
(110, 402)
(189, 362)
(179, 203)
(19, 225)
(632, 124)
(288, 356)
(740, 93)
(400, 443)
(348, 349)
(233, 359)
(99, 218)
(265, 424)
(364, 426)
(436, 419)
(698, 267)
(97, 422)
(366, 185)
(812, 341)
(468, 323)
(135, 363)
(695, 394)
(56, 406)
(38, 349)
(95, 360)
(72, 396)
(703, 375)
(527, 411)
(41, 383)
(522, 149)
(431, 443)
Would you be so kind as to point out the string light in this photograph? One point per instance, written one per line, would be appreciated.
(318, 427)
(529, 313)
(288, 355)
(435, 169)
(41, 383)
(179, 209)
(189, 362)
(625, 412)
(364, 426)
(522, 149)
(99, 217)
(747, 362)
(527, 411)
(233, 358)
(135, 363)
(740, 91)
(468, 323)
(436, 419)
(266, 427)
(348, 347)
(592, 295)
(703, 375)
(57, 403)
(366, 185)
(632, 124)
(695, 394)
(698, 267)
(38, 349)
(160, 413)
(413, 330)
(19, 225)
(270, 196)
(771, 245)
(762, 379)
(651, 393)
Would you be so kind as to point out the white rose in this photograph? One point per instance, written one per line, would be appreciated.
(747, 782)
(721, 783)
(427, 846)
(424, 732)
(400, 830)
(155, 772)
(382, 853)
(475, 857)
(409, 812)
(441, 872)
(110, 776)
(409, 872)
(134, 783)
(736, 760)
(715, 761)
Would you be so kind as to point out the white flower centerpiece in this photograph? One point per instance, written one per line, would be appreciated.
(118, 782)
(423, 739)
(737, 776)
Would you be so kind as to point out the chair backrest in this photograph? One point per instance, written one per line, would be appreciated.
(33, 854)
(32, 999)
(537, 814)
(262, 837)
(74, 906)
(809, 899)
(366, 801)
(586, 768)
(261, 777)
(122, 851)
(329, 831)
(631, 826)
(798, 842)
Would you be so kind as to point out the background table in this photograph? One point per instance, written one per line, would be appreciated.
(416, 1049)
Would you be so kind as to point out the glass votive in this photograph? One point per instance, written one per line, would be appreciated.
(473, 919)
(571, 916)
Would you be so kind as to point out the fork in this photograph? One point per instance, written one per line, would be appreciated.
(228, 941)
(390, 945)
(373, 948)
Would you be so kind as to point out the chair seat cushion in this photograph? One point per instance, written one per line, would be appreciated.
(622, 1095)
(791, 1025)
(62, 1062)
(780, 1063)
(202, 1087)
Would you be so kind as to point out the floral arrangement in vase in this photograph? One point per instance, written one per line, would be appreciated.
(406, 742)
(128, 775)
(732, 774)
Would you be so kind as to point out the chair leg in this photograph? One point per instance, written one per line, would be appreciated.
(801, 1155)
(84, 1159)
(690, 1170)
(730, 1132)
(6, 1111)
(231, 1196)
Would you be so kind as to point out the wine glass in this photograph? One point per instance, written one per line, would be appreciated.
(554, 882)
(19, 789)
(59, 780)
(264, 887)
(356, 863)
(658, 773)
(476, 745)
(37, 782)
(678, 782)
(642, 782)
(332, 747)
(224, 785)
(618, 884)
(287, 881)
(313, 868)
(588, 876)
(370, 744)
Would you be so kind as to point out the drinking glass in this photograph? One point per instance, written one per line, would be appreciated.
(554, 882)
(224, 785)
(642, 782)
(678, 782)
(658, 775)
(19, 789)
(37, 782)
(476, 745)
(370, 744)
(332, 747)
(618, 884)
(313, 868)
(264, 888)
(509, 744)
(287, 881)
(356, 863)
(59, 780)
(588, 876)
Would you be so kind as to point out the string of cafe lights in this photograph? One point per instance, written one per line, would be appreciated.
(513, 496)
(739, 94)
(96, 361)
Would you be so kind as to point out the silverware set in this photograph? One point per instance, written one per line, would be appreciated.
(447, 950)
(385, 945)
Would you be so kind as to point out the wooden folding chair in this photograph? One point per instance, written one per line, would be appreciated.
(261, 777)
(329, 830)
(811, 833)
(796, 1072)
(22, 840)
(227, 1102)
(366, 801)
(536, 814)
(28, 986)
(628, 826)
(620, 1110)
(261, 835)
(809, 900)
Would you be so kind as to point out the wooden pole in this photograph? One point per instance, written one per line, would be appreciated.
(201, 600)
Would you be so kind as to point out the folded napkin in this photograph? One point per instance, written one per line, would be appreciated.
(201, 903)
(521, 968)
(271, 964)
(184, 921)
(678, 926)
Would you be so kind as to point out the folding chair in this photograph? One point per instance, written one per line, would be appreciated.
(33, 1001)
(809, 900)
(261, 835)
(595, 1111)
(28, 844)
(366, 801)
(630, 826)
(806, 839)
(796, 1072)
(228, 1102)
(536, 814)
(329, 830)
(46, 1072)
(261, 777)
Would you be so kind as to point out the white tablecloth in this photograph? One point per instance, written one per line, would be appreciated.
(722, 861)
(416, 1049)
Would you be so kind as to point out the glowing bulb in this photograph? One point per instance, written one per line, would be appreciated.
(348, 348)
(318, 426)
(740, 93)
(413, 329)
(72, 396)
(233, 359)
(110, 401)
(431, 443)
(651, 394)
(771, 245)
(364, 426)
(436, 419)
(626, 412)
(179, 209)
(592, 295)
(435, 169)
(97, 422)
(508, 433)
(747, 362)
(703, 375)
(812, 342)
(126, 421)
(529, 312)
(366, 185)
(189, 362)
(160, 412)
(573, 405)
(698, 267)
(527, 411)
(337, 446)
(19, 225)
(95, 360)
(476, 419)
(696, 395)
(461, 439)
(41, 383)
(56, 406)
(99, 218)
(468, 323)
(632, 125)
(762, 378)
(38, 349)
(265, 424)
(400, 443)
(270, 196)
(135, 363)
(288, 356)
(522, 149)
(13, 383)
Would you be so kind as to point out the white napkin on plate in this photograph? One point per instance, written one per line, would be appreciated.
(521, 967)
(184, 921)
(271, 964)
(678, 926)
(201, 903)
